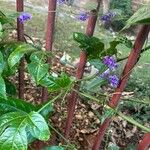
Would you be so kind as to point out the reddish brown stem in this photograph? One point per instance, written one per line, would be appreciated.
(48, 47)
(100, 134)
(145, 143)
(79, 74)
(20, 33)
(131, 62)
(49, 36)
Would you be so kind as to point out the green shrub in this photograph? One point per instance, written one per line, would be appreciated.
(125, 6)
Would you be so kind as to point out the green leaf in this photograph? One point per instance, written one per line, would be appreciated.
(54, 84)
(93, 84)
(54, 148)
(131, 147)
(47, 110)
(4, 19)
(13, 138)
(6, 49)
(112, 50)
(97, 63)
(80, 37)
(92, 45)
(10, 87)
(124, 40)
(39, 56)
(38, 70)
(1, 28)
(1, 63)
(38, 126)
(18, 53)
(2, 88)
(95, 48)
(12, 131)
(142, 16)
(13, 104)
(107, 113)
(15, 126)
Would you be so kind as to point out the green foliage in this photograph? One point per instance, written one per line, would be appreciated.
(10, 55)
(142, 16)
(131, 147)
(1, 30)
(10, 88)
(38, 69)
(48, 109)
(107, 113)
(5, 19)
(13, 105)
(56, 83)
(82, 39)
(6, 49)
(125, 6)
(18, 53)
(15, 125)
(134, 122)
(125, 41)
(1, 62)
(3, 88)
(20, 124)
(37, 126)
(97, 63)
(94, 84)
(112, 50)
(94, 46)
(34, 124)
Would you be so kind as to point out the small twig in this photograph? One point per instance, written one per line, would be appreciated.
(49, 102)
(26, 35)
(58, 133)
(126, 57)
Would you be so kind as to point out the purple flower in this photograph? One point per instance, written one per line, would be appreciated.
(114, 80)
(24, 16)
(83, 16)
(60, 2)
(108, 17)
(105, 18)
(110, 62)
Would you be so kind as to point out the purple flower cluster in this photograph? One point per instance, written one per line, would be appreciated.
(83, 16)
(60, 2)
(113, 80)
(111, 63)
(24, 16)
(106, 18)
